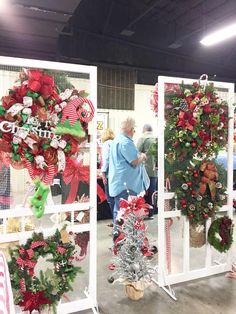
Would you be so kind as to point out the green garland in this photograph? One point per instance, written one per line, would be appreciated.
(196, 130)
(220, 234)
(33, 293)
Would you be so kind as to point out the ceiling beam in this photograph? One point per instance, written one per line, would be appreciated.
(140, 16)
(108, 17)
(15, 35)
(38, 18)
(154, 70)
(153, 49)
(41, 9)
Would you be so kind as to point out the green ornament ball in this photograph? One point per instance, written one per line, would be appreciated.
(194, 134)
(187, 144)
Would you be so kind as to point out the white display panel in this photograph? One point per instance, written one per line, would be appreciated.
(210, 263)
(82, 78)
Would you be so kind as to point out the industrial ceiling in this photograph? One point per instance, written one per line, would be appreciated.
(152, 36)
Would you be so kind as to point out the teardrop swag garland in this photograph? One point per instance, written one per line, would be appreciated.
(197, 123)
(196, 130)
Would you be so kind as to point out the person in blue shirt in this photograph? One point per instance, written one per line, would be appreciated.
(107, 138)
(223, 159)
(127, 175)
(144, 145)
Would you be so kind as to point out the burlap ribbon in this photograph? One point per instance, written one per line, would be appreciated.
(209, 177)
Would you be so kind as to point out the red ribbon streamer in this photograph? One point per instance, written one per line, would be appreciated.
(74, 173)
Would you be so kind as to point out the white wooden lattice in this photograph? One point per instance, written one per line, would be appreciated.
(165, 278)
(90, 298)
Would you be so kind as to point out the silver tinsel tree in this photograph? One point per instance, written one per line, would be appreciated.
(130, 262)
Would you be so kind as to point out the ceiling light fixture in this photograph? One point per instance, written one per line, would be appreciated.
(220, 35)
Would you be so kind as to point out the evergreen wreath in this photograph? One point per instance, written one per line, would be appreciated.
(199, 193)
(220, 234)
(33, 293)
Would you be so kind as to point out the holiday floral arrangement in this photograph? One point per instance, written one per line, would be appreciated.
(35, 293)
(131, 248)
(197, 123)
(196, 130)
(40, 129)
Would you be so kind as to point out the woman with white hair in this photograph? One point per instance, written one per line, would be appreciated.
(107, 138)
(126, 175)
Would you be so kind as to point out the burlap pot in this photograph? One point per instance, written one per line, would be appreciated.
(197, 235)
(133, 293)
(14, 225)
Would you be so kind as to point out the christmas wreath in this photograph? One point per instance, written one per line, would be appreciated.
(197, 122)
(35, 293)
(220, 234)
(40, 129)
(199, 192)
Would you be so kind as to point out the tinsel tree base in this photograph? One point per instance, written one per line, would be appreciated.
(134, 291)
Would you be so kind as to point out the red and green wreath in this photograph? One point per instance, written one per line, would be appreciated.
(37, 293)
(199, 192)
(197, 122)
(220, 234)
(40, 129)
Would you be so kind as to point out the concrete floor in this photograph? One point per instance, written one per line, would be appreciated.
(213, 295)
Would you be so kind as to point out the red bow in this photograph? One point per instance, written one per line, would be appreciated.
(135, 205)
(73, 174)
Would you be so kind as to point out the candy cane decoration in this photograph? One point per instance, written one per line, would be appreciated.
(30, 169)
(49, 176)
(204, 79)
(6, 297)
(168, 223)
(46, 178)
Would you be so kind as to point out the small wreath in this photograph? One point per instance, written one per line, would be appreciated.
(220, 234)
(33, 293)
